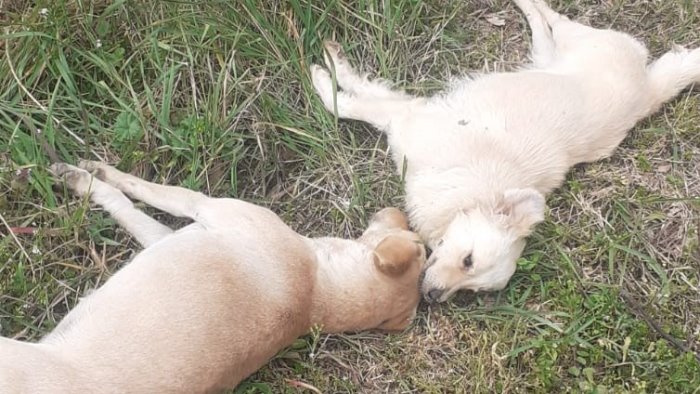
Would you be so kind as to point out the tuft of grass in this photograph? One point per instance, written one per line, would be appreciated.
(215, 95)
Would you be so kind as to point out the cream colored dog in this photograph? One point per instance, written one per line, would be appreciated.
(482, 156)
(202, 308)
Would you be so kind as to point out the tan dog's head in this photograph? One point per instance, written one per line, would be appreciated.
(480, 246)
(399, 258)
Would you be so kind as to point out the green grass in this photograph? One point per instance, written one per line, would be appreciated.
(215, 95)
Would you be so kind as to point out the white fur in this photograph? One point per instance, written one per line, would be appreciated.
(481, 157)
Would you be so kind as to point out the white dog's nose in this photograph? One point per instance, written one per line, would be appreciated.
(433, 295)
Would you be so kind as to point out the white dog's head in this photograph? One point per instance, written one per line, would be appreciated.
(479, 249)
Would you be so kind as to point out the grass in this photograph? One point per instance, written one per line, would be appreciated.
(215, 96)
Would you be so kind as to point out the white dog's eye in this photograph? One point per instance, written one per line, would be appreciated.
(467, 261)
(440, 242)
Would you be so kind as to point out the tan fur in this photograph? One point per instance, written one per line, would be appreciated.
(202, 308)
(394, 255)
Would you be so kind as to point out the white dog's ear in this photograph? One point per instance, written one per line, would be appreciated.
(524, 209)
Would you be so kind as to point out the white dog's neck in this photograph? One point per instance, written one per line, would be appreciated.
(455, 192)
(344, 267)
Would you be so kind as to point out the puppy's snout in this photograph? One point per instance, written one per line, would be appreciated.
(433, 295)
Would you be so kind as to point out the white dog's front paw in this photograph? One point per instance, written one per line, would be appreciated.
(333, 55)
(77, 180)
(321, 79)
(346, 75)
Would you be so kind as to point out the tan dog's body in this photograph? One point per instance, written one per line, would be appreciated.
(202, 308)
(481, 157)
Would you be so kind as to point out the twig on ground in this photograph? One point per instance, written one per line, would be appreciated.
(640, 312)
(14, 237)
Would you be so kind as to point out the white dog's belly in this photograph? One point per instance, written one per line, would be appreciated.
(539, 119)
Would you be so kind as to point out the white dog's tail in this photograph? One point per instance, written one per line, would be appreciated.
(673, 72)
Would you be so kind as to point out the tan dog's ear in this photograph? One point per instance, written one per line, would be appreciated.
(394, 255)
(524, 209)
(392, 217)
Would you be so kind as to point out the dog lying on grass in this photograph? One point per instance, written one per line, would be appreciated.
(202, 308)
(481, 157)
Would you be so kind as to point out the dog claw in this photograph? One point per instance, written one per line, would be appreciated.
(58, 169)
(333, 48)
(96, 168)
(76, 179)
(88, 165)
(333, 54)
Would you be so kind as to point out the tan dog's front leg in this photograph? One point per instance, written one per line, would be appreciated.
(174, 200)
(144, 228)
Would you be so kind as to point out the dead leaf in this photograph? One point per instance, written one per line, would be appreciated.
(664, 168)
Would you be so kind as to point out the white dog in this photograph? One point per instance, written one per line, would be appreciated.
(202, 308)
(481, 157)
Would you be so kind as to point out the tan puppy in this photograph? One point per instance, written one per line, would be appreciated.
(481, 157)
(202, 308)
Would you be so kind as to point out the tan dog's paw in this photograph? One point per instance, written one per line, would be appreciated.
(96, 168)
(77, 180)
(89, 165)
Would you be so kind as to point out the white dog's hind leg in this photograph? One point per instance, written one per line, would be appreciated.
(671, 73)
(543, 47)
(568, 36)
(144, 228)
(551, 16)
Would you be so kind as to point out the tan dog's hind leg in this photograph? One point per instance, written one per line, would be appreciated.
(144, 228)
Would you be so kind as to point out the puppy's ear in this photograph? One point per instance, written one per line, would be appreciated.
(394, 255)
(392, 217)
(524, 209)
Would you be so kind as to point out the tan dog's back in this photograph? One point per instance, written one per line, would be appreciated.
(31, 368)
(235, 305)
